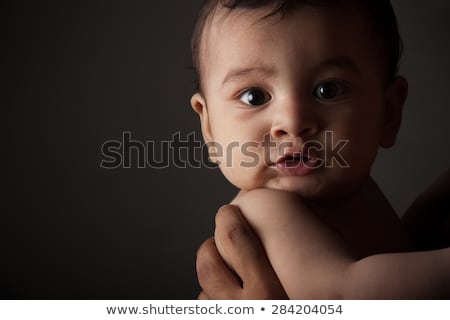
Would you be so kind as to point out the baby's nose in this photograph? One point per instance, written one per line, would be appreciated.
(294, 119)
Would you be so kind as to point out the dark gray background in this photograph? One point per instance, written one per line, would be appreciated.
(83, 73)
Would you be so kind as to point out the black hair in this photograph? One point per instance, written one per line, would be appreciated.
(381, 12)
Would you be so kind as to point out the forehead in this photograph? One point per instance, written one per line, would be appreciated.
(305, 34)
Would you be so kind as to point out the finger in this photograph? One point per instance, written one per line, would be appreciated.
(238, 243)
(245, 254)
(202, 296)
(215, 278)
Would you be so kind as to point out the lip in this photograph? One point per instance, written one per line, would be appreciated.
(296, 164)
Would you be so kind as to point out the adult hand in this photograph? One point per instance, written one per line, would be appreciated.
(250, 274)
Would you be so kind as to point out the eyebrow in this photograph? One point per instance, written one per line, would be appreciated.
(237, 73)
(341, 63)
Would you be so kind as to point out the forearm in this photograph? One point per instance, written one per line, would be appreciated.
(312, 263)
(308, 258)
(412, 275)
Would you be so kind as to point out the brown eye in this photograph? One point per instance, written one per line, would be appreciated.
(254, 97)
(329, 90)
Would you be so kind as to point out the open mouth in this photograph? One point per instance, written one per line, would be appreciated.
(298, 159)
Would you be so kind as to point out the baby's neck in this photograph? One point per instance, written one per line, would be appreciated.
(365, 220)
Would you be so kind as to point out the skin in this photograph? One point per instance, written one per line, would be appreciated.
(252, 265)
(253, 276)
(333, 219)
(366, 112)
(323, 267)
(247, 257)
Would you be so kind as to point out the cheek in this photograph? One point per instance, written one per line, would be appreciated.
(243, 164)
(241, 177)
(228, 128)
(361, 137)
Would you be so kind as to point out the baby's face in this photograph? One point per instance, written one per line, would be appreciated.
(311, 85)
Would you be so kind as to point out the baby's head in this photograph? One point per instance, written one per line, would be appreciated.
(379, 13)
(298, 95)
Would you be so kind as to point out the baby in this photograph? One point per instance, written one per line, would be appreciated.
(297, 97)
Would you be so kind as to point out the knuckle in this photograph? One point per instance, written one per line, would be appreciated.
(229, 227)
(235, 233)
(226, 212)
(231, 234)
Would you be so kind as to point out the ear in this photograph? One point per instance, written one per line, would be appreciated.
(198, 103)
(395, 99)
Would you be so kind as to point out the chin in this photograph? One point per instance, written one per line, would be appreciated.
(311, 187)
(302, 186)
